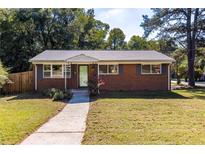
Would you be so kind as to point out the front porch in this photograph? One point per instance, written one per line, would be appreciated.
(85, 69)
(81, 74)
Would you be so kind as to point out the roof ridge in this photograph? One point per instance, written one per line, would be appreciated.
(101, 50)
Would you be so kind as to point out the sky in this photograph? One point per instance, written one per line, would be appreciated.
(128, 20)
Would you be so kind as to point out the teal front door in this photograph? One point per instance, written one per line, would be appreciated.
(83, 76)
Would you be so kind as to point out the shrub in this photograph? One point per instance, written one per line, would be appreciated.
(67, 94)
(94, 86)
(50, 92)
(58, 96)
(3, 76)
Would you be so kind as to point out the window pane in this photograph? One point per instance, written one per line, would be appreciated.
(146, 69)
(47, 67)
(156, 69)
(112, 69)
(68, 71)
(47, 74)
(57, 70)
(102, 69)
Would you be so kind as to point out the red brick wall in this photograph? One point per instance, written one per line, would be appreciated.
(46, 83)
(130, 80)
(93, 68)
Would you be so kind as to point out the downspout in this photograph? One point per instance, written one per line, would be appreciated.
(169, 81)
(77, 75)
(35, 69)
(65, 76)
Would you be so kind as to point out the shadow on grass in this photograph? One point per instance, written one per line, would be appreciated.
(198, 93)
(143, 95)
(26, 95)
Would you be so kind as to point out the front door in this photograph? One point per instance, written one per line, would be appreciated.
(83, 76)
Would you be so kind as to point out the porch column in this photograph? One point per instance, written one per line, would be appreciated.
(65, 76)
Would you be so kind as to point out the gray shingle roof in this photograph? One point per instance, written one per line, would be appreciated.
(104, 55)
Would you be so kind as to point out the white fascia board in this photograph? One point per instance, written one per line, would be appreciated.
(49, 62)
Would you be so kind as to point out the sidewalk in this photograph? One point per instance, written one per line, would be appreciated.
(199, 84)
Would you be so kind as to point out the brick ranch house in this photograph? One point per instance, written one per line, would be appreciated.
(120, 70)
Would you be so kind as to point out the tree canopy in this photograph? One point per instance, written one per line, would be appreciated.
(27, 32)
(116, 39)
(137, 43)
(183, 25)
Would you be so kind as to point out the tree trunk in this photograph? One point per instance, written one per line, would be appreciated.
(178, 80)
(190, 50)
(186, 79)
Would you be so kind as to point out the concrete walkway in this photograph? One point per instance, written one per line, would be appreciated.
(68, 126)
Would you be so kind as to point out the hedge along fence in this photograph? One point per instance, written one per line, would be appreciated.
(22, 82)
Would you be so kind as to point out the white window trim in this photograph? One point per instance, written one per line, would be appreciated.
(62, 74)
(108, 69)
(151, 69)
(47, 71)
(68, 77)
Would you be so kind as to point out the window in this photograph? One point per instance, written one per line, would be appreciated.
(146, 69)
(108, 69)
(57, 71)
(156, 69)
(47, 71)
(68, 71)
(103, 69)
(151, 69)
(112, 69)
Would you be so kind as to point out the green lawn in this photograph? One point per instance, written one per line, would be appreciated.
(176, 117)
(23, 114)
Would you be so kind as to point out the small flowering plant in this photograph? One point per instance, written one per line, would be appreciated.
(94, 86)
(100, 83)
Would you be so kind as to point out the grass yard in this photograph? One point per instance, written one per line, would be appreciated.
(23, 114)
(176, 117)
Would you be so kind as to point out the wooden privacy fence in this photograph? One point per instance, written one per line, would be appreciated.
(22, 82)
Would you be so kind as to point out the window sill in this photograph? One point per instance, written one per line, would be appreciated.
(108, 74)
(56, 78)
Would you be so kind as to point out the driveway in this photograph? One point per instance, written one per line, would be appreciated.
(68, 126)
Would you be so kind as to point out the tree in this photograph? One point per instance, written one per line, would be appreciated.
(162, 45)
(116, 39)
(199, 63)
(93, 32)
(26, 32)
(137, 43)
(179, 66)
(3, 75)
(184, 26)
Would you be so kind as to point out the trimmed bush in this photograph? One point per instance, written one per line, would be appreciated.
(68, 94)
(58, 96)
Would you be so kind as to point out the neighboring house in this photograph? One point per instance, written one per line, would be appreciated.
(120, 70)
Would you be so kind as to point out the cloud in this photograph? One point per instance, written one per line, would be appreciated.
(110, 13)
